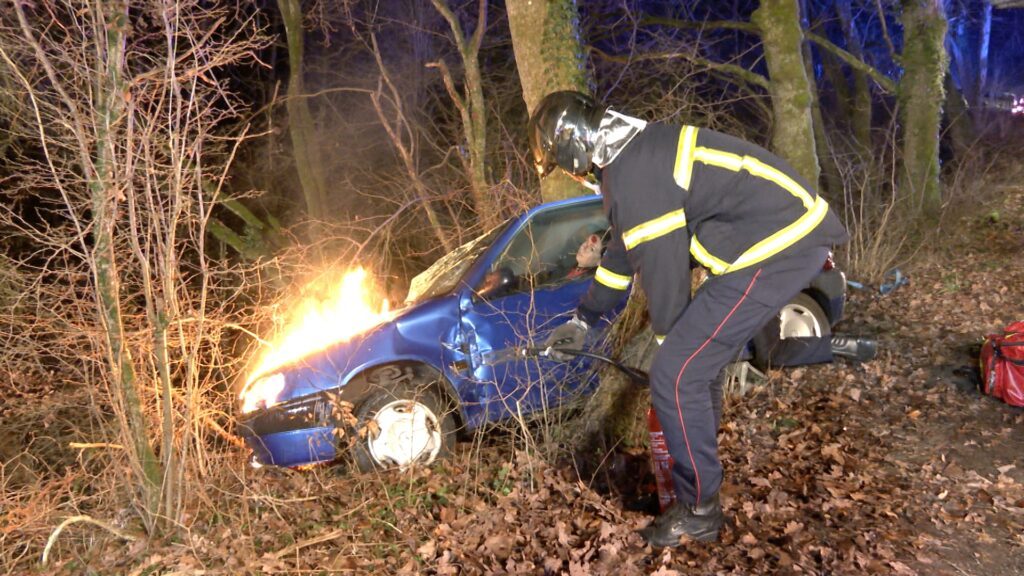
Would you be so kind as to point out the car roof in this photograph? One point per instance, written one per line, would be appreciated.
(575, 200)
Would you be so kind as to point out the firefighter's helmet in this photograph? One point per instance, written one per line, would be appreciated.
(562, 132)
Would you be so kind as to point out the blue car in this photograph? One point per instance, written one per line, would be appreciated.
(451, 361)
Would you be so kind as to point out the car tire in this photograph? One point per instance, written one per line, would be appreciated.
(409, 423)
(801, 317)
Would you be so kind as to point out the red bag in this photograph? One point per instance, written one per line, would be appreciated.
(1002, 365)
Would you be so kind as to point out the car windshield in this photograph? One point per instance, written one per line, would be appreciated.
(444, 275)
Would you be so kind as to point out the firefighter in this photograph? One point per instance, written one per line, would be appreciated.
(676, 195)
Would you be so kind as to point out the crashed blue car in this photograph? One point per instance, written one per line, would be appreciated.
(452, 360)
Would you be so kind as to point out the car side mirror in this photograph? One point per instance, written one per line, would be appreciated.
(496, 283)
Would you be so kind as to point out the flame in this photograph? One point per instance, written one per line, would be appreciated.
(334, 311)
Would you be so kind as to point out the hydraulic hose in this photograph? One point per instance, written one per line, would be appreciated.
(636, 375)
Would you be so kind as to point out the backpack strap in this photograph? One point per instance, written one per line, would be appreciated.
(998, 352)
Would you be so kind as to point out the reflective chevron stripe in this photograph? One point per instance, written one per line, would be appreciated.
(688, 153)
(755, 167)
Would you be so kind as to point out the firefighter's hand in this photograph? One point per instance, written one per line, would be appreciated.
(570, 335)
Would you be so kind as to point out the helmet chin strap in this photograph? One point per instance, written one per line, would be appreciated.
(586, 183)
(614, 133)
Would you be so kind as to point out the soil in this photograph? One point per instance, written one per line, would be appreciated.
(895, 466)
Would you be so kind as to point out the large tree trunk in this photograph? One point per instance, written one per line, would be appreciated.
(549, 55)
(308, 160)
(793, 127)
(920, 97)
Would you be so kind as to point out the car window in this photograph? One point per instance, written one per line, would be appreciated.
(544, 252)
(444, 275)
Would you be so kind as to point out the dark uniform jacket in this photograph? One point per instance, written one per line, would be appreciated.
(674, 193)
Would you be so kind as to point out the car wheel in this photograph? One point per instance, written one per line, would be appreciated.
(405, 425)
(801, 317)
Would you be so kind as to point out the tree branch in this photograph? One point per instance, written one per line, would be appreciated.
(854, 62)
(728, 69)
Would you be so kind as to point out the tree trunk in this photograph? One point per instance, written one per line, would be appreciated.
(793, 126)
(860, 104)
(920, 97)
(472, 110)
(960, 128)
(308, 160)
(549, 55)
(983, 44)
(104, 192)
(833, 182)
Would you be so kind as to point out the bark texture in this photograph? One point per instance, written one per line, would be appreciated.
(549, 56)
(103, 188)
(921, 96)
(308, 160)
(793, 128)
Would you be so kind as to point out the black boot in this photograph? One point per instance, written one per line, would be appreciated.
(701, 523)
(854, 348)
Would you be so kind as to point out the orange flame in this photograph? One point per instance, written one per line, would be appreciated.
(344, 309)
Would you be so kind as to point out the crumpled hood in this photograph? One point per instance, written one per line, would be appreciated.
(411, 334)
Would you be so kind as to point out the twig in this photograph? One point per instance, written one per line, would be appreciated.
(84, 445)
(83, 518)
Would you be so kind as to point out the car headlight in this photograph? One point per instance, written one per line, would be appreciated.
(262, 392)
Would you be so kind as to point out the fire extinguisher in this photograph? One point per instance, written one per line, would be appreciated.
(661, 462)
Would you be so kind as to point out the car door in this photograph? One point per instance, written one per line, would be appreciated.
(531, 287)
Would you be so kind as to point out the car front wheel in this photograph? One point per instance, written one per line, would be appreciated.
(402, 426)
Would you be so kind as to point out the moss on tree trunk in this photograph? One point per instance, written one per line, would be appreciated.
(549, 56)
(793, 127)
(921, 96)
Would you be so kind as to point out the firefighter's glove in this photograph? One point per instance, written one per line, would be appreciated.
(570, 335)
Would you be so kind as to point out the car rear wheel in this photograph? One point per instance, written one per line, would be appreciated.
(403, 426)
(801, 317)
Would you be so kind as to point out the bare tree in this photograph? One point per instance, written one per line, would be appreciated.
(129, 119)
(471, 107)
(308, 159)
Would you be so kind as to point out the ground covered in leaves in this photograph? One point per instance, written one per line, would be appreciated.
(897, 466)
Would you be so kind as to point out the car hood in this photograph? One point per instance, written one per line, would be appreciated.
(415, 333)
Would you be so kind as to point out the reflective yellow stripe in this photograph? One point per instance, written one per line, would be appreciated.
(652, 229)
(611, 279)
(659, 339)
(757, 168)
(817, 208)
(766, 248)
(683, 169)
(701, 254)
(784, 238)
